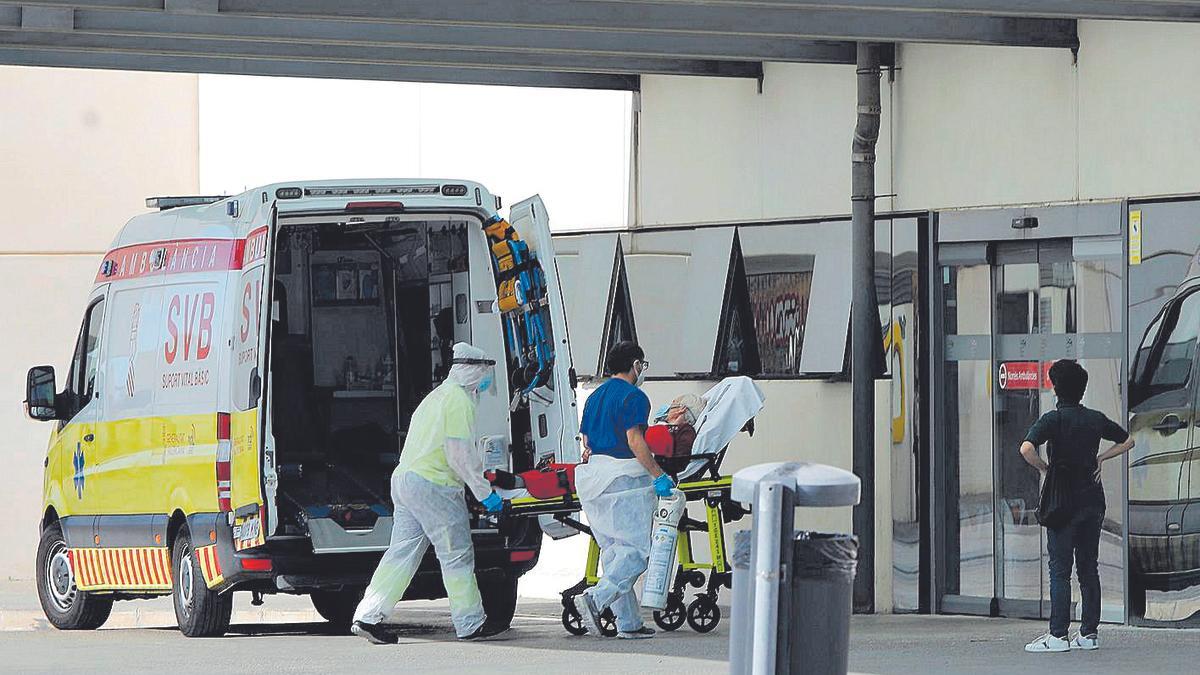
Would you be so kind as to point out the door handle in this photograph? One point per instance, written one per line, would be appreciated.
(89, 438)
(1169, 425)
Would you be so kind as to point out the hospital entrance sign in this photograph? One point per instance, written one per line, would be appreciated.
(1020, 375)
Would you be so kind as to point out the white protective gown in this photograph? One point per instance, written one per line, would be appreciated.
(429, 508)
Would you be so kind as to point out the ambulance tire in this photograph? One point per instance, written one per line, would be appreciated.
(200, 612)
(499, 598)
(67, 607)
(337, 607)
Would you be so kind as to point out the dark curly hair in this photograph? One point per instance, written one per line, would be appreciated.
(1069, 379)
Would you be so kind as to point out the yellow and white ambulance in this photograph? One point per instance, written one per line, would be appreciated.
(241, 387)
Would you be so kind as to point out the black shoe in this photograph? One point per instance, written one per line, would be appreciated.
(374, 633)
(486, 631)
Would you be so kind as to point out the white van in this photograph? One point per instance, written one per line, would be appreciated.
(243, 380)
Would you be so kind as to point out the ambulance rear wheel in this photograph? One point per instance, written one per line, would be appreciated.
(337, 607)
(200, 612)
(499, 596)
(67, 607)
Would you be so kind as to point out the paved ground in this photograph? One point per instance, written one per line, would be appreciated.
(283, 636)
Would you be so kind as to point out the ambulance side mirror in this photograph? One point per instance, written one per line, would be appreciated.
(40, 394)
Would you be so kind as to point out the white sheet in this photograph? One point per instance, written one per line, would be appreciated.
(731, 403)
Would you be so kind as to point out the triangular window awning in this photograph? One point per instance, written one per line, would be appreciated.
(596, 295)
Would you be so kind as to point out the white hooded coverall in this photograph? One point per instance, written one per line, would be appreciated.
(439, 457)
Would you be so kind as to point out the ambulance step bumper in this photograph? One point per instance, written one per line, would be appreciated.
(290, 583)
(329, 537)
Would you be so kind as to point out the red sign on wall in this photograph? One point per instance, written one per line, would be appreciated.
(1020, 375)
(1025, 375)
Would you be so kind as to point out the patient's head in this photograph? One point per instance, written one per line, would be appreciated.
(685, 409)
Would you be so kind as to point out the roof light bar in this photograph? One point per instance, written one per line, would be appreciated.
(164, 203)
(368, 190)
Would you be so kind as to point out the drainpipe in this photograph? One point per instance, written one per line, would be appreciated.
(865, 337)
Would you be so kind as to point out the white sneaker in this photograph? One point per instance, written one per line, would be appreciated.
(1085, 642)
(1048, 643)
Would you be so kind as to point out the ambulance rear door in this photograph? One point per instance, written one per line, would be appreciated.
(249, 481)
(554, 415)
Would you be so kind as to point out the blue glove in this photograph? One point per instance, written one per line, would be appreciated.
(493, 503)
(663, 485)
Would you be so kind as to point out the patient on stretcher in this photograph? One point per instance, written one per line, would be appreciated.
(689, 436)
(672, 431)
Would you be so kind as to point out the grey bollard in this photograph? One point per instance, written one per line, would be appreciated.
(742, 612)
(822, 600)
(766, 619)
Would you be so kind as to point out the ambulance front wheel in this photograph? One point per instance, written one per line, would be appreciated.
(200, 612)
(67, 607)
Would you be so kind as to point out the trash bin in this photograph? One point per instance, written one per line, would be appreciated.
(822, 600)
(792, 591)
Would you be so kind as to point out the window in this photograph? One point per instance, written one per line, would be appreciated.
(81, 384)
(1141, 359)
(1169, 365)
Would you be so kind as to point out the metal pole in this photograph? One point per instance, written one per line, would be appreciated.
(865, 335)
(768, 510)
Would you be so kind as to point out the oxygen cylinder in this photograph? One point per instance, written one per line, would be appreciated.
(663, 534)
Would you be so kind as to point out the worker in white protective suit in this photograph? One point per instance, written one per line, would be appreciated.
(617, 487)
(440, 456)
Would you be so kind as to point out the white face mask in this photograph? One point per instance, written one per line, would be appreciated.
(641, 376)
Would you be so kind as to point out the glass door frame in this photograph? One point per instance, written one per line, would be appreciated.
(973, 234)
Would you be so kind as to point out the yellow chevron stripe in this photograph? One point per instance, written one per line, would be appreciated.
(210, 566)
(127, 569)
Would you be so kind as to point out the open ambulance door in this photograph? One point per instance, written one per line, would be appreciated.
(553, 413)
(251, 471)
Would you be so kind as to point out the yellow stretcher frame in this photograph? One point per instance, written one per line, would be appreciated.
(702, 613)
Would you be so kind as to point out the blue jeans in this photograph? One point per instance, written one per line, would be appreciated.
(1078, 539)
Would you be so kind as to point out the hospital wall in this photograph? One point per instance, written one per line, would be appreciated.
(56, 127)
(962, 126)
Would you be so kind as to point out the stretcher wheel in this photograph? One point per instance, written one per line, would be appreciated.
(608, 623)
(672, 616)
(572, 622)
(703, 615)
(574, 625)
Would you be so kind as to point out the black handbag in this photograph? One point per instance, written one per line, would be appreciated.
(1055, 508)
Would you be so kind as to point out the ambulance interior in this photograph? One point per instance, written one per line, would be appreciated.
(365, 310)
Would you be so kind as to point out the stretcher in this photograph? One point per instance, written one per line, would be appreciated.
(702, 614)
(731, 409)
